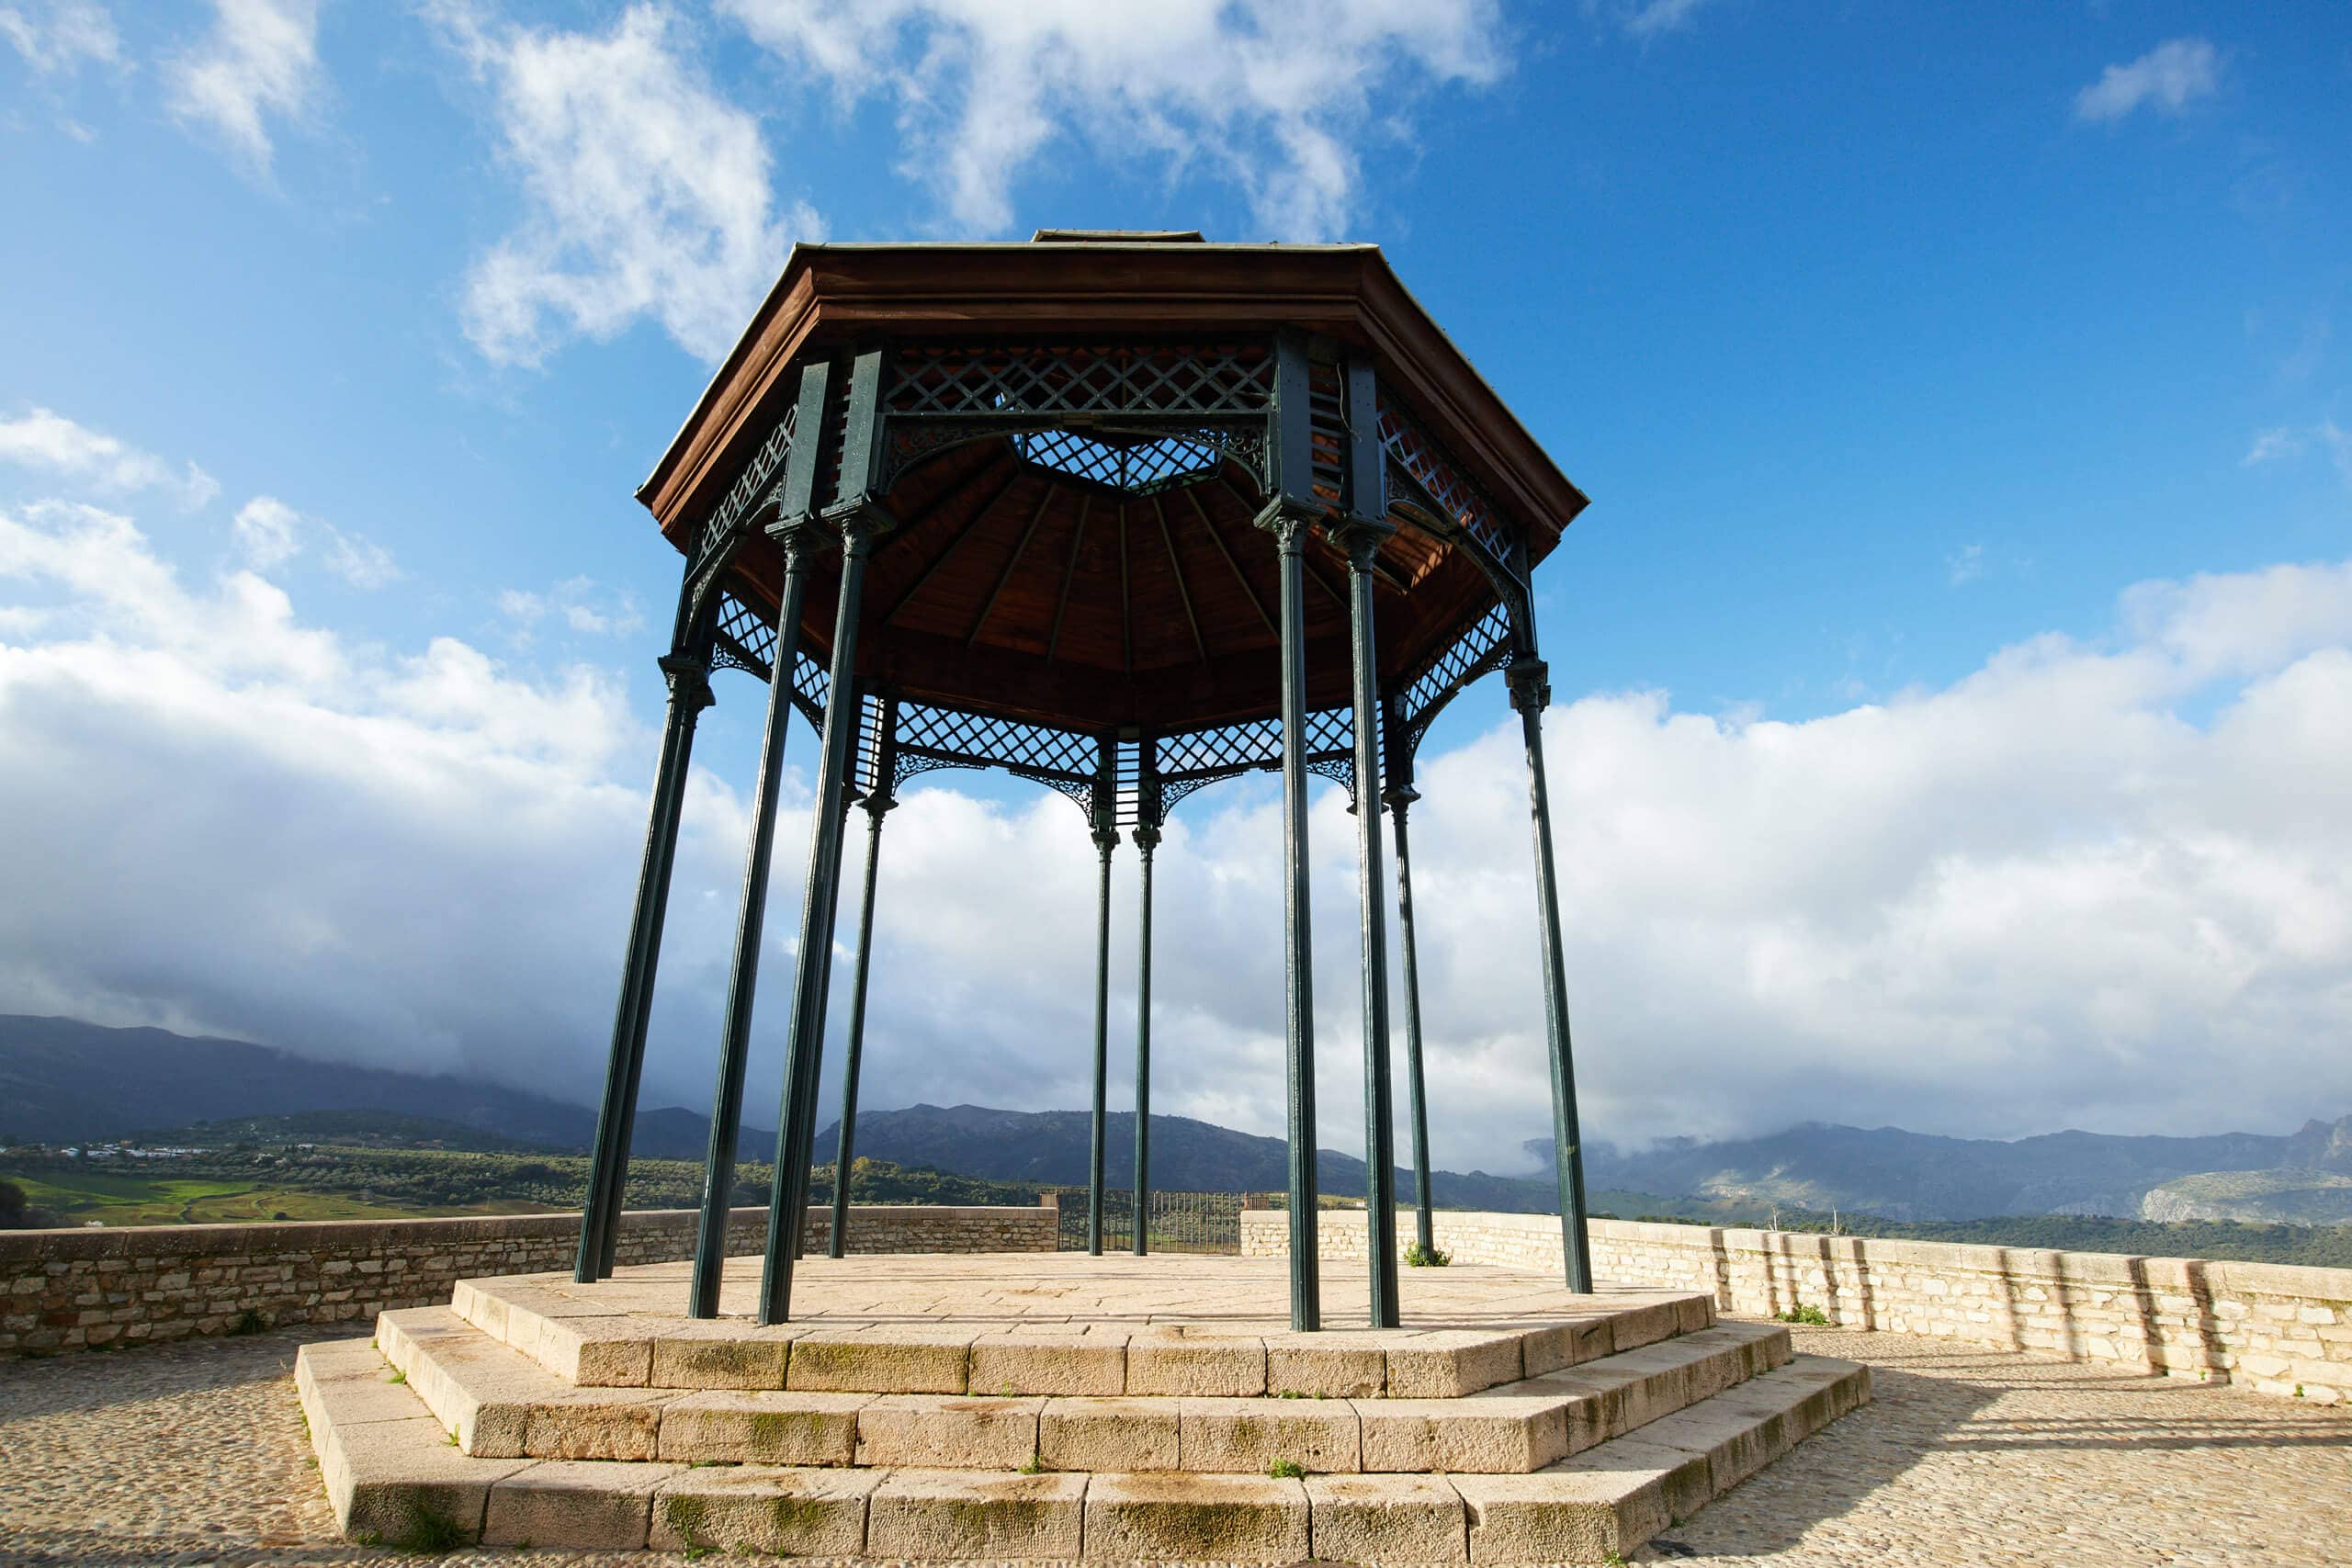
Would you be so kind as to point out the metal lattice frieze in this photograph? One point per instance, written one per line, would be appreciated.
(1452, 667)
(751, 487)
(1013, 379)
(1140, 467)
(742, 638)
(1437, 477)
(953, 737)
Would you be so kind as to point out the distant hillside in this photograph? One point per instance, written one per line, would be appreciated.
(1916, 1175)
(1050, 1147)
(64, 1081)
(344, 1129)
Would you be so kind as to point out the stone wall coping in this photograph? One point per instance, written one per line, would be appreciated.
(18, 1246)
(2179, 1276)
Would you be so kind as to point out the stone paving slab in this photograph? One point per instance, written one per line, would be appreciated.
(1176, 1326)
(196, 1452)
(499, 1402)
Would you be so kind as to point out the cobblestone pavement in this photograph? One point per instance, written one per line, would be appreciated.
(195, 1453)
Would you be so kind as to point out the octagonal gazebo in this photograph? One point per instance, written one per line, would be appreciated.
(1124, 514)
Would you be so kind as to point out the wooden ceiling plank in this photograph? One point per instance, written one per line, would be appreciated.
(1126, 600)
(954, 544)
(982, 620)
(1192, 494)
(1061, 601)
(1184, 593)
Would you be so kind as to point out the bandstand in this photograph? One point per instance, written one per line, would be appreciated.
(1124, 514)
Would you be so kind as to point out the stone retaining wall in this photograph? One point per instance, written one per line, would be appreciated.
(127, 1284)
(2268, 1326)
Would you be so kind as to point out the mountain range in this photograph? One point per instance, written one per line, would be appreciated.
(64, 1081)
(2304, 1177)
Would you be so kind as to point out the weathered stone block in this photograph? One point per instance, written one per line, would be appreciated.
(878, 1361)
(1336, 1364)
(1488, 1433)
(586, 1506)
(1246, 1436)
(929, 1431)
(748, 1426)
(1559, 1516)
(794, 1513)
(1385, 1519)
(1108, 1435)
(1190, 1517)
(948, 1514)
(1069, 1362)
(1447, 1363)
(1172, 1363)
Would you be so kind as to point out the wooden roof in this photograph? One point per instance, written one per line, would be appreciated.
(1014, 587)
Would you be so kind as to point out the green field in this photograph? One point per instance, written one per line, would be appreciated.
(128, 1198)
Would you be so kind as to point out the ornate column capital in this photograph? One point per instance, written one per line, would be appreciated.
(800, 537)
(1531, 684)
(1361, 538)
(860, 520)
(1399, 796)
(1288, 522)
(689, 679)
(1147, 837)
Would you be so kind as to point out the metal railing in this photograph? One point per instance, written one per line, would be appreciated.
(1178, 1222)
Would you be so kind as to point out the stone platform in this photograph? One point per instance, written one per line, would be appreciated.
(1057, 1407)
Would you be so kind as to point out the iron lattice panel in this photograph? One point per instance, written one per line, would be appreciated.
(1193, 759)
(1140, 467)
(743, 639)
(933, 736)
(751, 487)
(1415, 456)
(1457, 665)
(1107, 380)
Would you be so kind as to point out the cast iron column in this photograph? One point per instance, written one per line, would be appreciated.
(688, 675)
(1106, 837)
(815, 1066)
(1401, 795)
(1147, 837)
(789, 1194)
(1363, 543)
(1530, 692)
(1305, 1276)
(877, 805)
(797, 540)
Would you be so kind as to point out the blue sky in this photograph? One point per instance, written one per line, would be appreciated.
(1901, 349)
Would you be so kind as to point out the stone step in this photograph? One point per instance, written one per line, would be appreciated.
(590, 1337)
(498, 1403)
(393, 1477)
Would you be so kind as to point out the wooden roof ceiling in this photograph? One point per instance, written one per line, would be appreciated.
(1013, 587)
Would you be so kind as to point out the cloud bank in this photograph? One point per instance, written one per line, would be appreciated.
(646, 193)
(2105, 883)
(1278, 96)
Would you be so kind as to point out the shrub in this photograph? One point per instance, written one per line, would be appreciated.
(1421, 1256)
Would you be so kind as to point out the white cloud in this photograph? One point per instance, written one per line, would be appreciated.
(269, 533)
(59, 35)
(2292, 441)
(1648, 18)
(1278, 96)
(646, 193)
(53, 444)
(259, 61)
(2040, 896)
(1964, 565)
(2270, 446)
(360, 561)
(576, 602)
(2168, 79)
